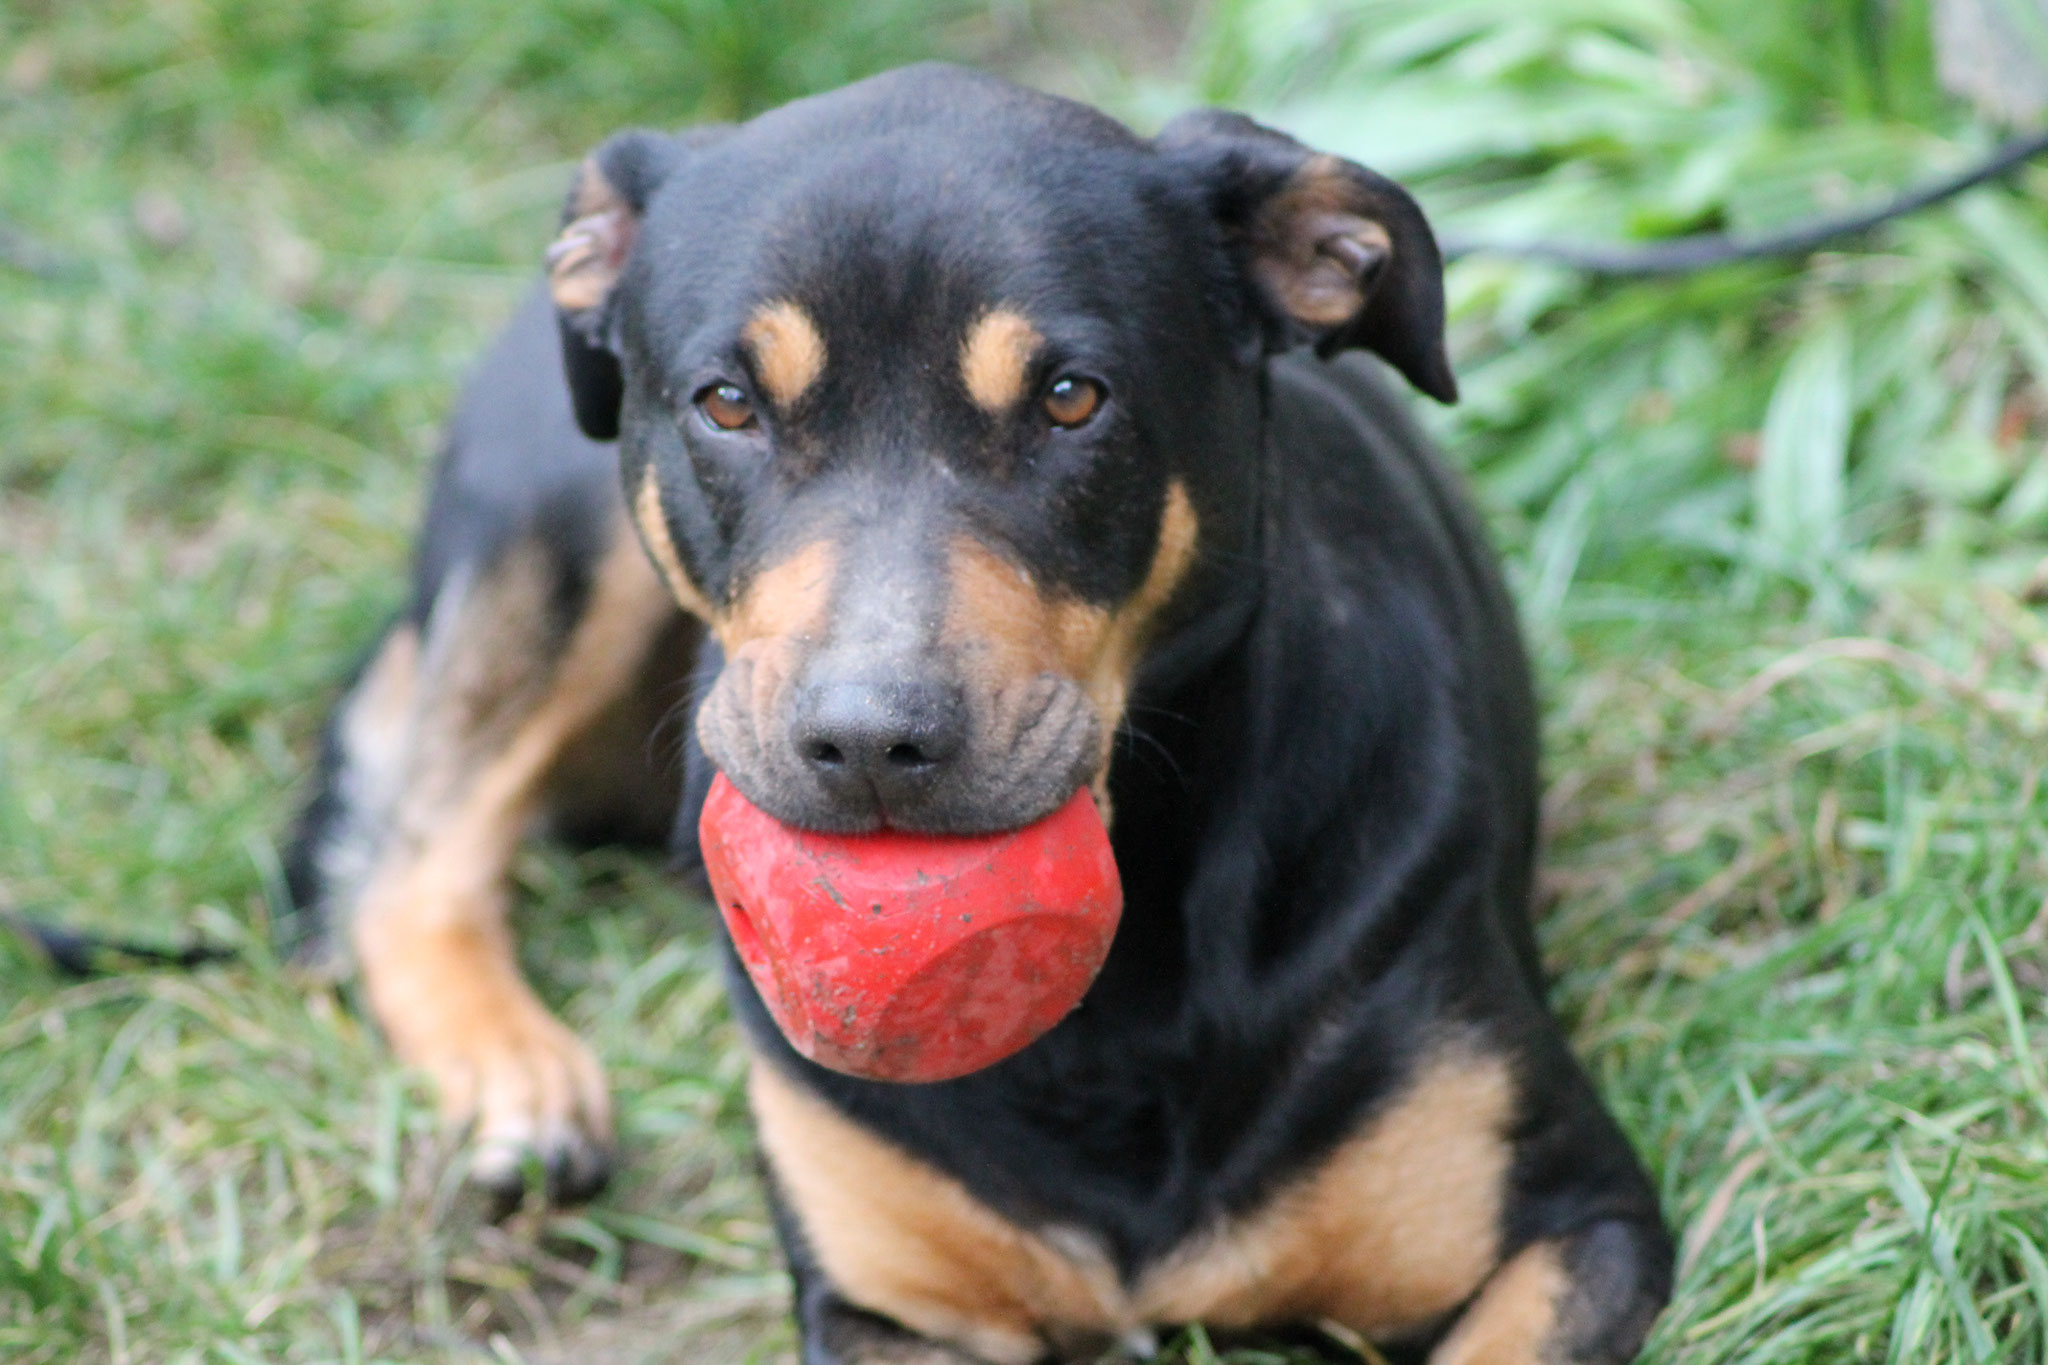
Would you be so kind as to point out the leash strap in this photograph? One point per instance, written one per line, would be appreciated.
(1704, 251)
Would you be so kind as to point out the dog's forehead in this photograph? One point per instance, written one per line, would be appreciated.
(911, 206)
(945, 106)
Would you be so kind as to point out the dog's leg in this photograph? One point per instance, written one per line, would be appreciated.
(361, 773)
(834, 1332)
(1588, 1299)
(837, 1333)
(443, 756)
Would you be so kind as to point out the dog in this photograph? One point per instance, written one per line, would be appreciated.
(954, 448)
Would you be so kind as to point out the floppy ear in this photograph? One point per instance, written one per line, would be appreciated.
(1334, 253)
(599, 226)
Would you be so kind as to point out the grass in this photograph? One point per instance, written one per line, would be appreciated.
(1778, 533)
(1778, 536)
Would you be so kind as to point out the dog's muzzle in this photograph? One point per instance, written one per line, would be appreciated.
(851, 754)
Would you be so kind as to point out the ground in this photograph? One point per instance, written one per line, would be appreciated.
(1778, 535)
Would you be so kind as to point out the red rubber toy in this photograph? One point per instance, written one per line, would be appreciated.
(913, 957)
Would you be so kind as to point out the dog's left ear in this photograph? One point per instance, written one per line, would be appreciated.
(600, 224)
(1334, 253)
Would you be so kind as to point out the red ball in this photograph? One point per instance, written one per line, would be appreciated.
(913, 957)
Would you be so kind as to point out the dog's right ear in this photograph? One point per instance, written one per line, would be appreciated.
(1332, 253)
(599, 226)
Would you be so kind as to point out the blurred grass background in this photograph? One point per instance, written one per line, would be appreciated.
(1780, 533)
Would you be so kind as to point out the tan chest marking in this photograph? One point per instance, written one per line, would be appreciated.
(1514, 1319)
(1395, 1229)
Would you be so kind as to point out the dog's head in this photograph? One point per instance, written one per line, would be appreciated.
(940, 401)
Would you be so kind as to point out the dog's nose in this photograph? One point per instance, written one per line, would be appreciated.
(894, 736)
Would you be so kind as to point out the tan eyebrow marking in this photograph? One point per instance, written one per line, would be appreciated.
(789, 352)
(993, 358)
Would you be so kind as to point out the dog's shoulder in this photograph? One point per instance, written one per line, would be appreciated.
(1356, 470)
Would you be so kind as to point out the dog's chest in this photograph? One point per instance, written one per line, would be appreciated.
(1389, 1232)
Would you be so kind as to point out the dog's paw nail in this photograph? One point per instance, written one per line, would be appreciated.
(577, 1171)
(557, 1157)
(499, 1161)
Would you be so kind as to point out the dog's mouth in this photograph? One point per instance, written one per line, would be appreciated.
(919, 958)
(854, 756)
(925, 682)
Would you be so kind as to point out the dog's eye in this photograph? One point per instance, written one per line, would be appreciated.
(727, 407)
(1072, 400)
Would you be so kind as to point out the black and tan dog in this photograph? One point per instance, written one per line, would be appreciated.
(981, 444)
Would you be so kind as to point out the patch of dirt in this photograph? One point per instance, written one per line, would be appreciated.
(27, 527)
(700, 1330)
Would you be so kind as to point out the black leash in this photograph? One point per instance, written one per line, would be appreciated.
(1683, 255)
(75, 953)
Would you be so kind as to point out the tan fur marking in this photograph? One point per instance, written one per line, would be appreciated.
(386, 691)
(763, 634)
(995, 358)
(375, 722)
(1318, 204)
(898, 1237)
(661, 547)
(376, 727)
(789, 353)
(1011, 632)
(578, 276)
(1514, 1319)
(585, 260)
(784, 601)
(1396, 1229)
(437, 958)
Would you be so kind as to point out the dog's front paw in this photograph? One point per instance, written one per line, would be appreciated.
(533, 1093)
(452, 1001)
